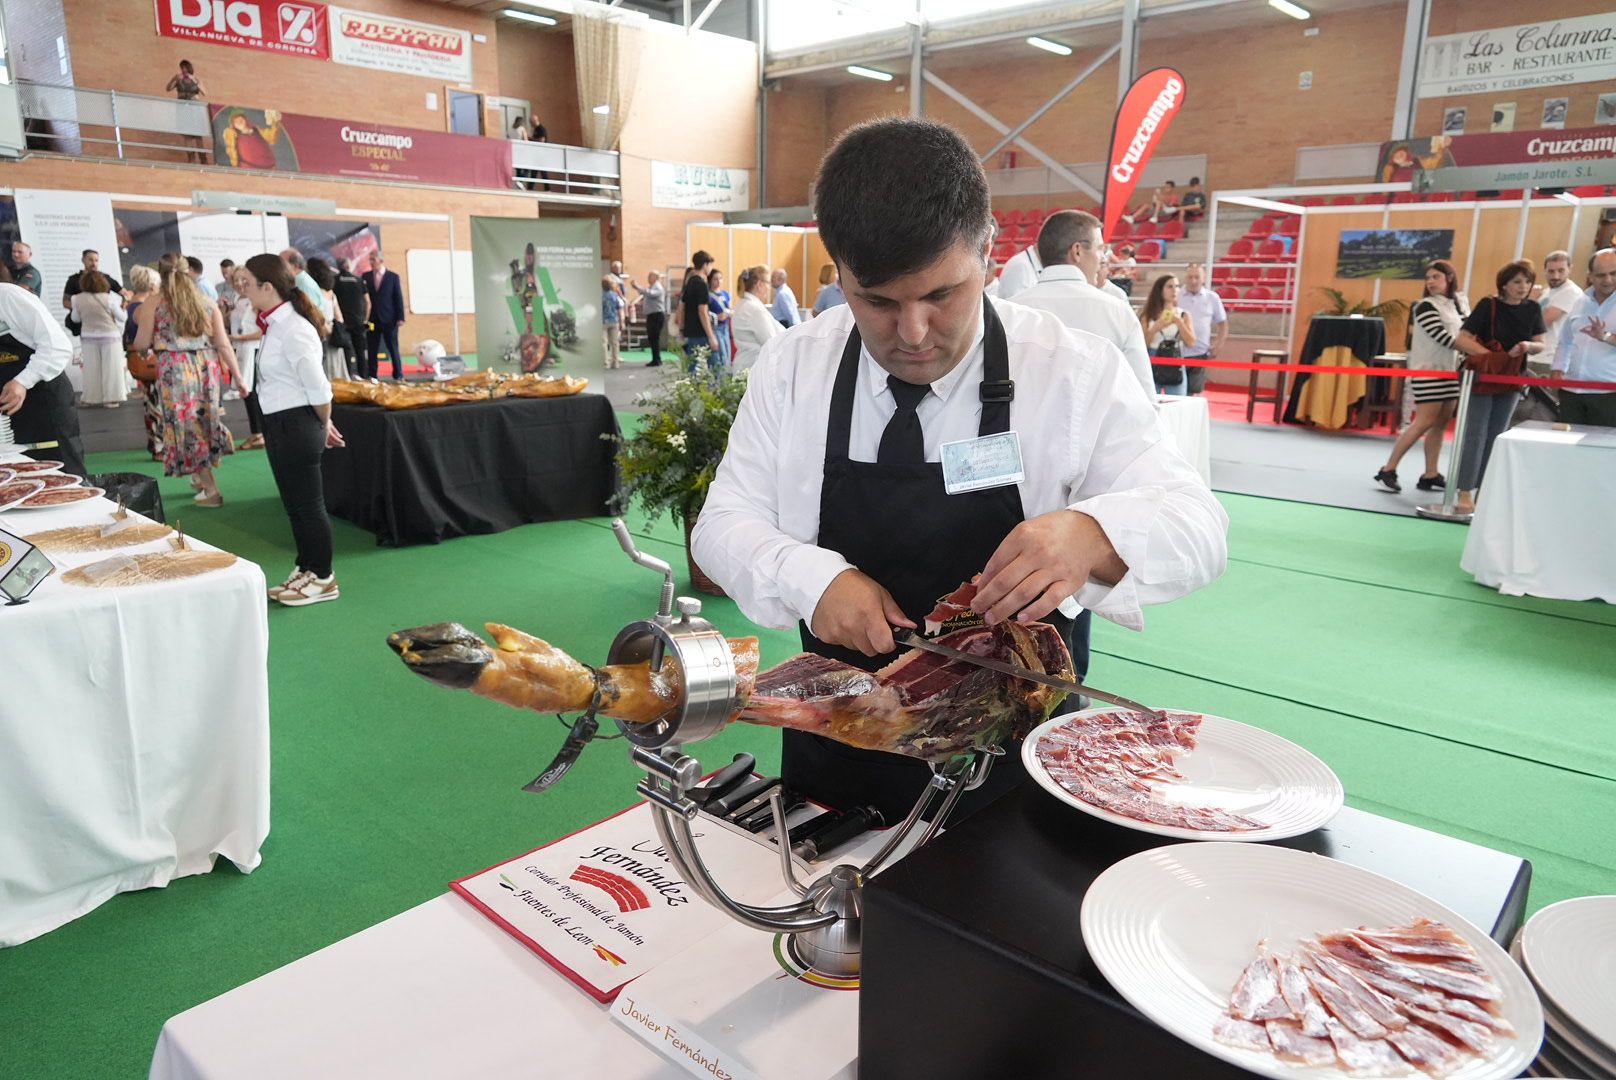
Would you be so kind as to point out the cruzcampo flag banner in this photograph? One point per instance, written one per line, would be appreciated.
(538, 291)
(1148, 107)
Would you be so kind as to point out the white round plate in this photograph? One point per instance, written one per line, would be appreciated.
(1172, 929)
(80, 494)
(1234, 767)
(1570, 950)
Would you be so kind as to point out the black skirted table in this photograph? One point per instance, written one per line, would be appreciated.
(1334, 341)
(974, 962)
(420, 476)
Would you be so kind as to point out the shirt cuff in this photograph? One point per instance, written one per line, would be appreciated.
(1126, 519)
(805, 575)
(27, 378)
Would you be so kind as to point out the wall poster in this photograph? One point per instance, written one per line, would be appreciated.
(538, 290)
(1400, 254)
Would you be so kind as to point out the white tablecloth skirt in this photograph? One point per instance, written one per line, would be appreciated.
(134, 733)
(1546, 513)
(1188, 423)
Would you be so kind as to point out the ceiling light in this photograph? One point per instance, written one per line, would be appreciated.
(528, 16)
(1295, 11)
(601, 110)
(869, 73)
(1050, 46)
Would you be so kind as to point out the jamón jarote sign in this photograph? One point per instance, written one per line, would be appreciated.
(290, 27)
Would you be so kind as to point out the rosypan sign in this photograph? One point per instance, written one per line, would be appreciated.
(1148, 107)
(292, 27)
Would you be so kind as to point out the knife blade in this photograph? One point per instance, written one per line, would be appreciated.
(914, 641)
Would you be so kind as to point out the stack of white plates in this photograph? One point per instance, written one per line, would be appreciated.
(1569, 952)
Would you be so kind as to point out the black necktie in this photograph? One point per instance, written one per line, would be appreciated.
(902, 442)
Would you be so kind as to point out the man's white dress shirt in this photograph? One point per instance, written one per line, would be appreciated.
(1063, 291)
(1020, 273)
(1580, 356)
(291, 363)
(1564, 296)
(1206, 311)
(1090, 442)
(25, 316)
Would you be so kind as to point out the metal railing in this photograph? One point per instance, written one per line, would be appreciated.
(108, 123)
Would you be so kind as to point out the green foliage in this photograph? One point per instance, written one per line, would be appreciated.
(1338, 304)
(668, 465)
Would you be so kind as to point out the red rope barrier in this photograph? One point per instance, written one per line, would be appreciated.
(1394, 373)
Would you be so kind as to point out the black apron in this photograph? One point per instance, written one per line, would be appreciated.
(47, 413)
(897, 524)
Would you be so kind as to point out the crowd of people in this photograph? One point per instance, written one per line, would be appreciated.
(712, 327)
(275, 331)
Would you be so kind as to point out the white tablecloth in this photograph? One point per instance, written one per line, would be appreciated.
(1546, 513)
(1188, 423)
(134, 732)
(438, 991)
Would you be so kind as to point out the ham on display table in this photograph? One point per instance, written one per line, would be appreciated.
(1546, 511)
(128, 761)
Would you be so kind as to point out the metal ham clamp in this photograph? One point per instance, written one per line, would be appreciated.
(824, 925)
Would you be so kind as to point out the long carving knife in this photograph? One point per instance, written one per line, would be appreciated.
(914, 641)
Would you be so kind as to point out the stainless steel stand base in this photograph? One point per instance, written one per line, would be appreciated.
(1437, 512)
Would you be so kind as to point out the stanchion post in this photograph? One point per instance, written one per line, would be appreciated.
(1446, 509)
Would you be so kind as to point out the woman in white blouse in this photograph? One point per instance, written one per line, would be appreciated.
(102, 317)
(245, 336)
(295, 397)
(752, 320)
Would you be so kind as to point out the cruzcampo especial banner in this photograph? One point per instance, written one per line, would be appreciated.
(1148, 107)
(538, 290)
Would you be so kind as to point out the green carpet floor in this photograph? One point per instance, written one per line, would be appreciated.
(1438, 702)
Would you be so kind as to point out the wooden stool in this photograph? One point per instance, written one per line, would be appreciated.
(1392, 407)
(1278, 398)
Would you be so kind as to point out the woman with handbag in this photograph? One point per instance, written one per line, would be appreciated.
(187, 332)
(1496, 339)
(1167, 331)
(101, 320)
(143, 366)
(1433, 325)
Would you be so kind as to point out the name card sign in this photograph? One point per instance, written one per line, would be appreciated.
(22, 567)
(605, 905)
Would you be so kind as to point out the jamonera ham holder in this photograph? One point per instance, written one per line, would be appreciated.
(674, 679)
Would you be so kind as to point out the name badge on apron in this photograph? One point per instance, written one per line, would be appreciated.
(989, 461)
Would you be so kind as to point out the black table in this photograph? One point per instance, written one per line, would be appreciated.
(419, 476)
(974, 962)
(1364, 336)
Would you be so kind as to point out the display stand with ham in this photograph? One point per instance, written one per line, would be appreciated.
(674, 679)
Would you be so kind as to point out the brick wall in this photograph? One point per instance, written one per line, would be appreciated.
(798, 135)
(1458, 16)
(671, 121)
(115, 45)
(537, 65)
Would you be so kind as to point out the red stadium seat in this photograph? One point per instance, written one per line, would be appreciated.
(1221, 276)
(1240, 251)
(1149, 251)
(1271, 250)
(1291, 226)
(1275, 275)
(1589, 191)
(1313, 200)
(1439, 196)
(1246, 275)
(1342, 200)
(1144, 229)
(1377, 198)
(1122, 230)
(1405, 197)
(1171, 230)
(1261, 227)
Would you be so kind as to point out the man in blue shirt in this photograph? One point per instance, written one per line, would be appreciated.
(784, 305)
(194, 264)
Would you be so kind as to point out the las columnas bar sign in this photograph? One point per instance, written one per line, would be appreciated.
(1553, 53)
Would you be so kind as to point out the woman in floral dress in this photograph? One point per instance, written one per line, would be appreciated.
(188, 334)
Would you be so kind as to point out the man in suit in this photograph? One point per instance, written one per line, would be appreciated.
(386, 313)
(353, 304)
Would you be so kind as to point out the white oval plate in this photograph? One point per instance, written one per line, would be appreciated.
(1234, 767)
(1172, 929)
(1570, 950)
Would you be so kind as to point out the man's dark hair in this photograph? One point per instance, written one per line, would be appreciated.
(227, 264)
(701, 259)
(1061, 230)
(194, 263)
(894, 194)
(88, 251)
(1195, 181)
